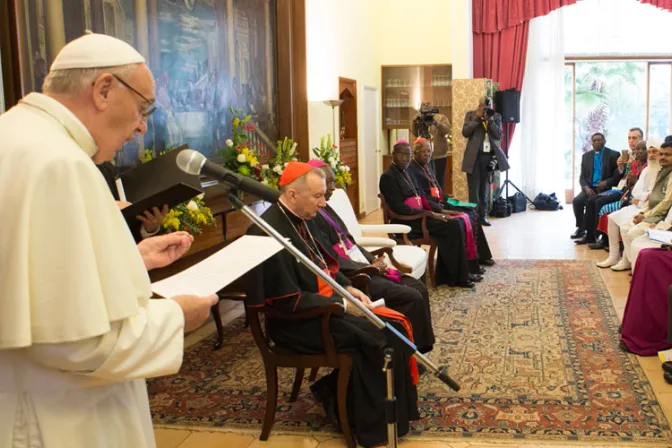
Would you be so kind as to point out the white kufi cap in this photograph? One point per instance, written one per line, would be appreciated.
(96, 51)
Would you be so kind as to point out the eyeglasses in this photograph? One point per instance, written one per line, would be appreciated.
(150, 110)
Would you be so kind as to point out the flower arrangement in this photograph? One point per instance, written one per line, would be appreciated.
(329, 154)
(270, 172)
(239, 154)
(190, 216)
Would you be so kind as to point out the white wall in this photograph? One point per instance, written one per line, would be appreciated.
(353, 38)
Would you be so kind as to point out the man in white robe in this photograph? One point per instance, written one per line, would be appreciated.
(78, 331)
(623, 217)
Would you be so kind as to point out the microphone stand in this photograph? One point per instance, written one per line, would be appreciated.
(440, 373)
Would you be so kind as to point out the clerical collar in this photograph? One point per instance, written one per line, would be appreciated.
(399, 169)
(292, 215)
(72, 125)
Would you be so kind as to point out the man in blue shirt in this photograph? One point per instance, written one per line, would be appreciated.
(599, 172)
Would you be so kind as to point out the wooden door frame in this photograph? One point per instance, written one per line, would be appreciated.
(351, 85)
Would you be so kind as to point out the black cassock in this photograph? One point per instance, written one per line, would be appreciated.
(427, 183)
(410, 297)
(452, 265)
(289, 286)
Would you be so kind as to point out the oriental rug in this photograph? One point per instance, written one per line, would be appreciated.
(535, 349)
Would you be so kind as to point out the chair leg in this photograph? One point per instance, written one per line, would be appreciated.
(271, 401)
(217, 317)
(297, 385)
(344, 369)
(431, 265)
(313, 374)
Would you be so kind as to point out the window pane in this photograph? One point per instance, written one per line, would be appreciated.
(610, 98)
(659, 100)
(567, 138)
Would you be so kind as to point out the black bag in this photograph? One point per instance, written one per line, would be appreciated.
(518, 202)
(546, 202)
(500, 208)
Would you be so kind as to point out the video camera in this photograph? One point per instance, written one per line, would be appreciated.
(489, 111)
(424, 119)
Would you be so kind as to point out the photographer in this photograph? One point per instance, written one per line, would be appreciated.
(483, 128)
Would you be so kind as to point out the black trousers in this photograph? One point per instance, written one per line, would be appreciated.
(478, 183)
(593, 206)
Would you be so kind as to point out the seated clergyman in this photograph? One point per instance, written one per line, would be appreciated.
(402, 293)
(403, 197)
(428, 183)
(291, 287)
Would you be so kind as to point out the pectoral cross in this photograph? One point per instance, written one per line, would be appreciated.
(417, 198)
(342, 246)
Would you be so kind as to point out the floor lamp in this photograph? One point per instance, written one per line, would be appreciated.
(334, 104)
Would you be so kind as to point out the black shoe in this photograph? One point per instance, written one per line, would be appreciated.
(624, 347)
(667, 366)
(488, 262)
(484, 222)
(600, 244)
(475, 278)
(481, 270)
(578, 234)
(323, 394)
(467, 284)
(583, 240)
(668, 377)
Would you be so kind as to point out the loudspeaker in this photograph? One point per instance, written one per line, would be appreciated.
(507, 103)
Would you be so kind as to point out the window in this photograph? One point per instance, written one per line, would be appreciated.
(660, 80)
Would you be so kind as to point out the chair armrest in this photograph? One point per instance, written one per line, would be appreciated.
(332, 308)
(376, 242)
(368, 270)
(384, 228)
(361, 282)
(401, 267)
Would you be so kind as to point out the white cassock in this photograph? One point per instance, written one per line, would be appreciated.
(78, 332)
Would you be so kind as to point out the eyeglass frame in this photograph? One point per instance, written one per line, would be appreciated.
(150, 110)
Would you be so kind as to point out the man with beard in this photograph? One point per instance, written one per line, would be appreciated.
(431, 189)
(402, 293)
(289, 286)
(404, 197)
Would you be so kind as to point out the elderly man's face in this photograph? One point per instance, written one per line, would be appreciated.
(653, 153)
(330, 182)
(306, 199)
(422, 153)
(402, 156)
(124, 103)
(633, 138)
(640, 151)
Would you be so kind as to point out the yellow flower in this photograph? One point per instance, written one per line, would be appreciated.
(236, 122)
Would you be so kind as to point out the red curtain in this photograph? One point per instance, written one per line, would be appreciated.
(500, 56)
(490, 16)
(662, 4)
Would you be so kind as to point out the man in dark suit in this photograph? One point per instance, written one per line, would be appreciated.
(599, 172)
(479, 124)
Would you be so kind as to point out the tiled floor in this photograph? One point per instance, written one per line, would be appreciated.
(529, 235)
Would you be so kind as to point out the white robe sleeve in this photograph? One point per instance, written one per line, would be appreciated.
(146, 345)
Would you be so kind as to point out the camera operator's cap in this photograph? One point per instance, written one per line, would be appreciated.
(96, 51)
(653, 142)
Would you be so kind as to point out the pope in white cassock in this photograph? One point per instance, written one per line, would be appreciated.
(78, 331)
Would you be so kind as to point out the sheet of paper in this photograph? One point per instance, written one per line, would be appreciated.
(660, 236)
(219, 269)
(665, 356)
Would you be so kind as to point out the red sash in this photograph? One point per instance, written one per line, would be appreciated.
(391, 314)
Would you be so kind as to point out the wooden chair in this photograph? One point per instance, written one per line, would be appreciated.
(217, 316)
(275, 357)
(425, 240)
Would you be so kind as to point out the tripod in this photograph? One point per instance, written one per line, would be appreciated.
(507, 182)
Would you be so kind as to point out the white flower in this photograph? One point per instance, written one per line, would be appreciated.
(192, 206)
(201, 196)
(294, 159)
(331, 161)
(241, 158)
(265, 167)
(333, 165)
(228, 142)
(264, 181)
(278, 169)
(286, 163)
(346, 168)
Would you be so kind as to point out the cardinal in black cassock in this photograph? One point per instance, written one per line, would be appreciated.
(290, 286)
(427, 182)
(403, 197)
(402, 293)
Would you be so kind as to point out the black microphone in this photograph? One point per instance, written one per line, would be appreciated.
(193, 162)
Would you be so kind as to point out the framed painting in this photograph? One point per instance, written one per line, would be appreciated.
(206, 56)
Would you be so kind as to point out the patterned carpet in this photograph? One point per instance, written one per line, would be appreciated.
(535, 349)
